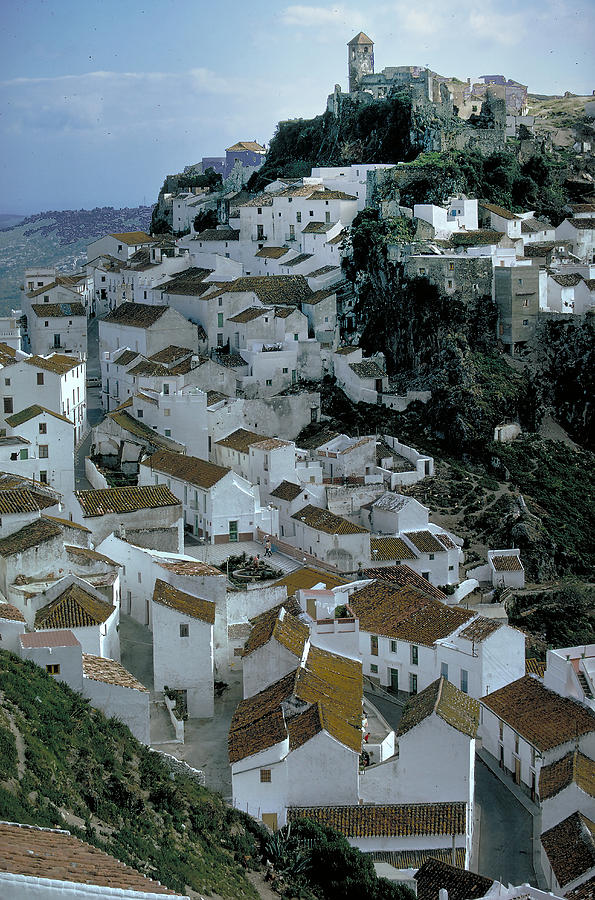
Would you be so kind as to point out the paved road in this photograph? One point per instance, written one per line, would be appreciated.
(505, 844)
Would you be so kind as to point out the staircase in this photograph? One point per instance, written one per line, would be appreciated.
(585, 685)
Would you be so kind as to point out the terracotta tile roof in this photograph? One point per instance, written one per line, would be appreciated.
(215, 397)
(230, 360)
(540, 716)
(403, 575)
(280, 625)
(149, 369)
(300, 258)
(184, 603)
(446, 541)
(461, 884)
(582, 224)
(346, 351)
(133, 237)
(398, 820)
(330, 682)
(58, 310)
(414, 859)
(304, 727)
(99, 668)
(125, 358)
(480, 629)
(305, 579)
(390, 548)
(475, 238)
(22, 500)
(572, 768)
(248, 315)
(318, 227)
(48, 853)
(188, 567)
(283, 312)
(121, 500)
(535, 667)
(87, 553)
(139, 429)
(287, 491)
(191, 282)
(38, 532)
(360, 38)
(506, 563)
(246, 145)
(271, 444)
(136, 315)
(218, 234)
(241, 440)
(448, 702)
(317, 440)
(326, 521)
(195, 471)
(323, 270)
(405, 613)
(270, 289)
(337, 238)
(498, 210)
(570, 847)
(367, 368)
(73, 608)
(10, 612)
(264, 199)
(272, 252)
(585, 891)
(566, 280)
(48, 639)
(171, 353)
(319, 296)
(424, 541)
(57, 363)
(31, 412)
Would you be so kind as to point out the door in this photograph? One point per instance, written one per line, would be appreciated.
(517, 771)
(311, 607)
(501, 756)
(533, 787)
(270, 819)
(195, 524)
(394, 680)
(233, 531)
(56, 341)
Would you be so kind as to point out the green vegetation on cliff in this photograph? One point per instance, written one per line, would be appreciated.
(63, 764)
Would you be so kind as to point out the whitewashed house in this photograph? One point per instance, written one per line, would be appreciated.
(506, 568)
(219, 505)
(121, 245)
(457, 214)
(57, 652)
(117, 693)
(393, 513)
(146, 328)
(76, 605)
(526, 726)
(274, 648)
(46, 449)
(56, 320)
(330, 538)
(568, 855)
(183, 658)
(342, 457)
(57, 382)
(262, 460)
(566, 786)
(150, 513)
(580, 234)
(502, 220)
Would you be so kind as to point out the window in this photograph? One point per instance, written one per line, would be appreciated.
(168, 432)
(7, 382)
(184, 629)
(444, 670)
(449, 283)
(8, 404)
(451, 267)
(40, 378)
(139, 577)
(431, 555)
(24, 454)
(119, 248)
(526, 301)
(219, 320)
(374, 644)
(43, 428)
(393, 646)
(374, 669)
(139, 414)
(412, 683)
(166, 388)
(269, 382)
(525, 321)
(46, 298)
(219, 340)
(259, 210)
(167, 412)
(464, 680)
(43, 451)
(425, 575)
(43, 476)
(422, 271)
(53, 668)
(298, 217)
(311, 212)
(220, 301)
(414, 655)
(296, 337)
(265, 776)
(285, 371)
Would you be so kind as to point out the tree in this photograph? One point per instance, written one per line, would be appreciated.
(205, 219)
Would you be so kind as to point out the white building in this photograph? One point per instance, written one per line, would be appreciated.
(120, 245)
(262, 460)
(56, 320)
(150, 513)
(506, 568)
(570, 671)
(57, 652)
(118, 694)
(183, 657)
(457, 214)
(12, 626)
(219, 505)
(580, 234)
(330, 538)
(45, 451)
(57, 382)
(76, 605)
(145, 328)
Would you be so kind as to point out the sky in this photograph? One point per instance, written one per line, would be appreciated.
(99, 99)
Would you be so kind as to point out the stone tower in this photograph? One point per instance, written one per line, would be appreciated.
(360, 54)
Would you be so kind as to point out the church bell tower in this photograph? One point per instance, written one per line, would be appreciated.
(360, 55)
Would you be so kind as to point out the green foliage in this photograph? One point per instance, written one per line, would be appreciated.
(77, 760)
(205, 219)
(563, 618)
(159, 224)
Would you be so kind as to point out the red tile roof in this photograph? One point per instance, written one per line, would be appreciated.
(49, 639)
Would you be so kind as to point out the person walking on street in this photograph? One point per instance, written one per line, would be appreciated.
(267, 547)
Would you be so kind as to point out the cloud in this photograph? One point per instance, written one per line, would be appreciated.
(322, 17)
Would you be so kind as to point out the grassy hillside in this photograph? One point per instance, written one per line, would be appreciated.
(64, 764)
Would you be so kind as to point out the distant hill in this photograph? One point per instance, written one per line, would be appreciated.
(63, 764)
(56, 237)
(8, 220)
